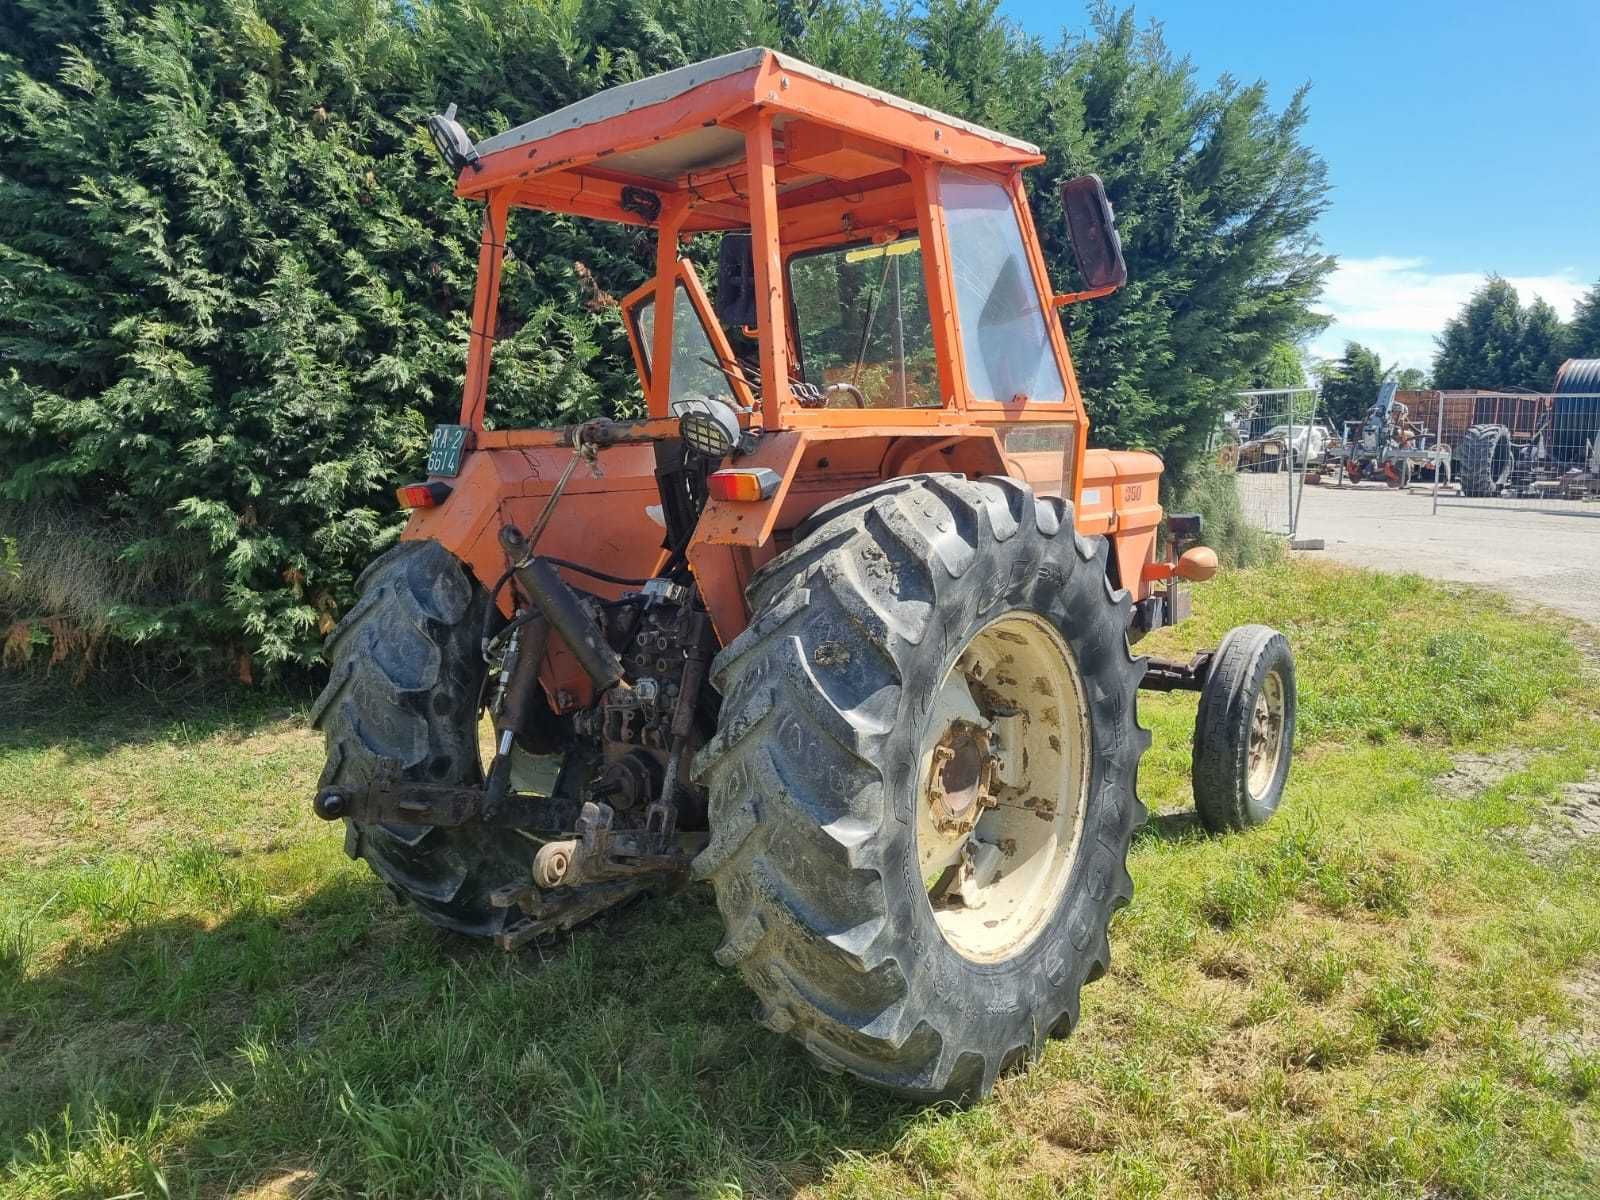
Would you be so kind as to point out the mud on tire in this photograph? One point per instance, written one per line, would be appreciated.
(815, 769)
(406, 674)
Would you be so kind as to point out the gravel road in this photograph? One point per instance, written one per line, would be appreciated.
(1540, 558)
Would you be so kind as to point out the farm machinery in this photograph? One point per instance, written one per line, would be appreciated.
(1552, 453)
(842, 627)
(1388, 446)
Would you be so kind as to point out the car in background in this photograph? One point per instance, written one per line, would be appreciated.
(1271, 450)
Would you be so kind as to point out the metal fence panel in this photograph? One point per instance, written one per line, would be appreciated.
(1268, 441)
(1536, 451)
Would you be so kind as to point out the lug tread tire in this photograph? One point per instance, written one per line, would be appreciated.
(405, 677)
(822, 696)
(1220, 763)
(1479, 449)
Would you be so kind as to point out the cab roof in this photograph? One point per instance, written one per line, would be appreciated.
(684, 131)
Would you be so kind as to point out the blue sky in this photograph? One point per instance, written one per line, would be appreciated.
(1461, 138)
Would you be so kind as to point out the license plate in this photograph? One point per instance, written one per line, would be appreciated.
(444, 449)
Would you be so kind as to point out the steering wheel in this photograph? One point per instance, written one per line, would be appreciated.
(848, 390)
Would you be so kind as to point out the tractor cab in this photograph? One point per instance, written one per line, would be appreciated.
(878, 298)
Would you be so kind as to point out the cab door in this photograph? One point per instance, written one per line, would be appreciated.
(702, 360)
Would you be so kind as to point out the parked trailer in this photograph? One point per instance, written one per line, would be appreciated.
(1449, 414)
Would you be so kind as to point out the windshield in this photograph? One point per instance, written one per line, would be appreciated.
(1004, 338)
(861, 314)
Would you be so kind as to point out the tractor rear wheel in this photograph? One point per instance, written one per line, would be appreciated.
(1485, 454)
(406, 674)
(922, 789)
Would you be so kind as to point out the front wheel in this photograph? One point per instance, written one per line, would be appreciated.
(1244, 730)
(922, 788)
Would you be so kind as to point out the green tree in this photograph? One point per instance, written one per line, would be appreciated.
(1216, 196)
(1350, 384)
(1583, 333)
(1495, 342)
(1283, 367)
(1412, 379)
(1542, 347)
(237, 286)
(237, 279)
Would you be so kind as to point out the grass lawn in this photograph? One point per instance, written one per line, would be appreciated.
(1381, 993)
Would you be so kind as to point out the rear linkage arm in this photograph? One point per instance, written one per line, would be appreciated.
(388, 799)
(573, 878)
(596, 852)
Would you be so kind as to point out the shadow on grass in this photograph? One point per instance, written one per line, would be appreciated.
(86, 722)
(1181, 826)
(340, 1034)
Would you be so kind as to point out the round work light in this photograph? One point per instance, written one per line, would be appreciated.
(708, 426)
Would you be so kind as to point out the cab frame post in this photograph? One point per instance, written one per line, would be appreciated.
(485, 307)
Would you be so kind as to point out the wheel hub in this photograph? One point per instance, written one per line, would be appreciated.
(963, 771)
(1004, 780)
(1266, 736)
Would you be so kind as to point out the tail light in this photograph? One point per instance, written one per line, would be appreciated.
(744, 483)
(422, 495)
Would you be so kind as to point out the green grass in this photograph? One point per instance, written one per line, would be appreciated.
(200, 996)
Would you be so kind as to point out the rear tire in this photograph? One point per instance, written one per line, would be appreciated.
(1485, 454)
(815, 777)
(405, 678)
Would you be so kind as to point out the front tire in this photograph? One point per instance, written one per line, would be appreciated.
(1244, 730)
(820, 770)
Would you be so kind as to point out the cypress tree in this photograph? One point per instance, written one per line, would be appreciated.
(235, 279)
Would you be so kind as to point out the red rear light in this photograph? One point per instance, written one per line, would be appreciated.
(745, 483)
(422, 495)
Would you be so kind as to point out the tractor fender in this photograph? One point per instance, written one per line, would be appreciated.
(814, 466)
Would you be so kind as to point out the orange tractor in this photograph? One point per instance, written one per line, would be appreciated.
(842, 627)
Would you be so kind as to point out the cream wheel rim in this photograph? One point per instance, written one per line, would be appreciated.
(1266, 736)
(1003, 783)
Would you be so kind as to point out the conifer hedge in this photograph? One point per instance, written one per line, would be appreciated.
(234, 281)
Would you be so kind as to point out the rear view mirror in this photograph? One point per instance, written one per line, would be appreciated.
(1092, 228)
(736, 282)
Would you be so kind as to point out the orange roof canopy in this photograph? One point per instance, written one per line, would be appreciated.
(839, 146)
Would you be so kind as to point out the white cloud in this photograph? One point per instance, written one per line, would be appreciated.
(1396, 305)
